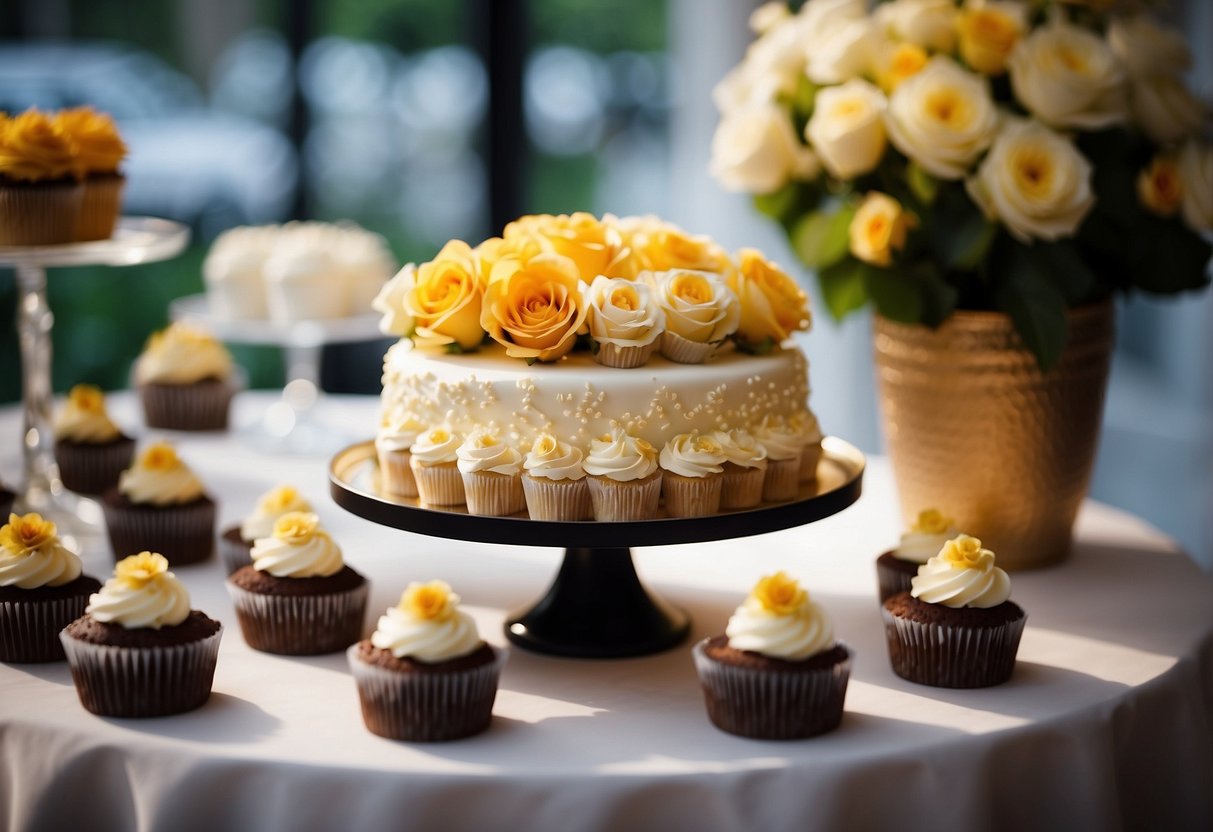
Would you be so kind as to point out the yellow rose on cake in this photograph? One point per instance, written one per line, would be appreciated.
(535, 309)
(700, 312)
(772, 305)
(437, 304)
(593, 246)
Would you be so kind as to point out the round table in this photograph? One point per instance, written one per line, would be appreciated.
(1106, 723)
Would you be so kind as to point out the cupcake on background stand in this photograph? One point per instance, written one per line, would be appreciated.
(236, 542)
(90, 450)
(42, 589)
(160, 505)
(139, 650)
(491, 470)
(956, 627)
(692, 467)
(625, 322)
(298, 597)
(185, 380)
(896, 568)
(777, 673)
(745, 469)
(435, 463)
(40, 182)
(99, 151)
(235, 290)
(554, 481)
(425, 675)
(625, 477)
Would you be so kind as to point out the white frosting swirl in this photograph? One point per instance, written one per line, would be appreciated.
(83, 418)
(436, 446)
(919, 547)
(552, 459)
(805, 632)
(693, 455)
(158, 601)
(298, 548)
(270, 506)
(31, 554)
(620, 457)
(398, 431)
(780, 440)
(424, 640)
(741, 448)
(804, 423)
(962, 575)
(159, 477)
(483, 451)
(181, 354)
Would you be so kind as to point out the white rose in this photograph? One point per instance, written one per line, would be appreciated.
(699, 306)
(1165, 109)
(1196, 173)
(1068, 77)
(624, 312)
(769, 15)
(1035, 181)
(929, 23)
(942, 118)
(756, 150)
(847, 128)
(836, 36)
(1147, 48)
(773, 66)
(391, 299)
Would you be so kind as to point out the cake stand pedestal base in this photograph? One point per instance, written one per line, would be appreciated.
(598, 609)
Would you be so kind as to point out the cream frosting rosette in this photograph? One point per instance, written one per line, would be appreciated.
(160, 477)
(484, 451)
(693, 455)
(779, 620)
(741, 448)
(271, 505)
(926, 536)
(436, 445)
(536, 308)
(83, 418)
(773, 306)
(700, 311)
(398, 430)
(621, 457)
(551, 459)
(847, 128)
(182, 354)
(745, 469)
(297, 548)
(427, 625)
(779, 438)
(1068, 77)
(962, 574)
(31, 554)
(142, 593)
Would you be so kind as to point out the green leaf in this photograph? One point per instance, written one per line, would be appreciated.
(822, 239)
(763, 347)
(842, 287)
(1066, 269)
(897, 296)
(938, 296)
(778, 204)
(805, 97)
(923, 185)
(1166, 257)
(960, 234)
(1036, 306)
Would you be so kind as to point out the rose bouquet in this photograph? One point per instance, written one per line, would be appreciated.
(934, 155)
(620, 287)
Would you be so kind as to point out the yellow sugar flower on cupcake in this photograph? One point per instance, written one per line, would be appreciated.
(137, 571)
(25, 534)
(431, 601)
(779, 594)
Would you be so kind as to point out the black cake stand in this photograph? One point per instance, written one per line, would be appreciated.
(597, 607)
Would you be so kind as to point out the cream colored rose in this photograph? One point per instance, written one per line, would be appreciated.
(847, 128)
(445, 298)
(898, 61)
(1148, 48)
(390, 302)
(837, 38)
(772, 66)
(772, 305)
(535, 309)
(942, 118)
(1165, 109)
(1068, 77)
(755, 150)
(696, 305)
(930, 24)
(878, 229)
(1035, 182)
(769, 15)
(624, 312)
(1196, 173)
(988, 32)
(1159, 187)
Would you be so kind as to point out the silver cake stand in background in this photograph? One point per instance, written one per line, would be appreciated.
(291, 424)
(135, 240)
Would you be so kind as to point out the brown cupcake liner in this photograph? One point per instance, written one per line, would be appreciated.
(200, 406)
(142, 681)
(427, 707)
(944, 656)
(782, 481)
(91, 469)
(182, 533)
(439, 485)
(890, 582)
(39, 214)
(810, 455)
(234, 555)
(772, 704)
(741, 487)
(99, 207)
(396, 477)
(685, 351)
(29, 630)
(557, 499)
(691, 496)
(633, 500)
(624, 357)
(300, 625)
(492, 494)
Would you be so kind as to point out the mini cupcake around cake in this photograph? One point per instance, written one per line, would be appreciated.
(490, 470)
(435, 464)
(625, 477)
(692, 475)
(90, 450)
(554, 482)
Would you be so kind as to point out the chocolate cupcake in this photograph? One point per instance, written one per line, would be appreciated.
(159, 505)
(922, 541)
(184, 377)
(90, 450)
(298, 598)
(956, 627)
(40, 182)
(425, 675)
(777, 673)
(99, 150)
(236, 542)
(42, 590)
(139, 650)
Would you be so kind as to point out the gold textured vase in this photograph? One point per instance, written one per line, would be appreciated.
(975, 429)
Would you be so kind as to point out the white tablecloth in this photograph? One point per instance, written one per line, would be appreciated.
(1106, 723)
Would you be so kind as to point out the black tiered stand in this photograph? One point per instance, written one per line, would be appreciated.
(597, 607)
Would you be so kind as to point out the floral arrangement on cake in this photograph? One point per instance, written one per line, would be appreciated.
(933, 155)
(621, 287)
